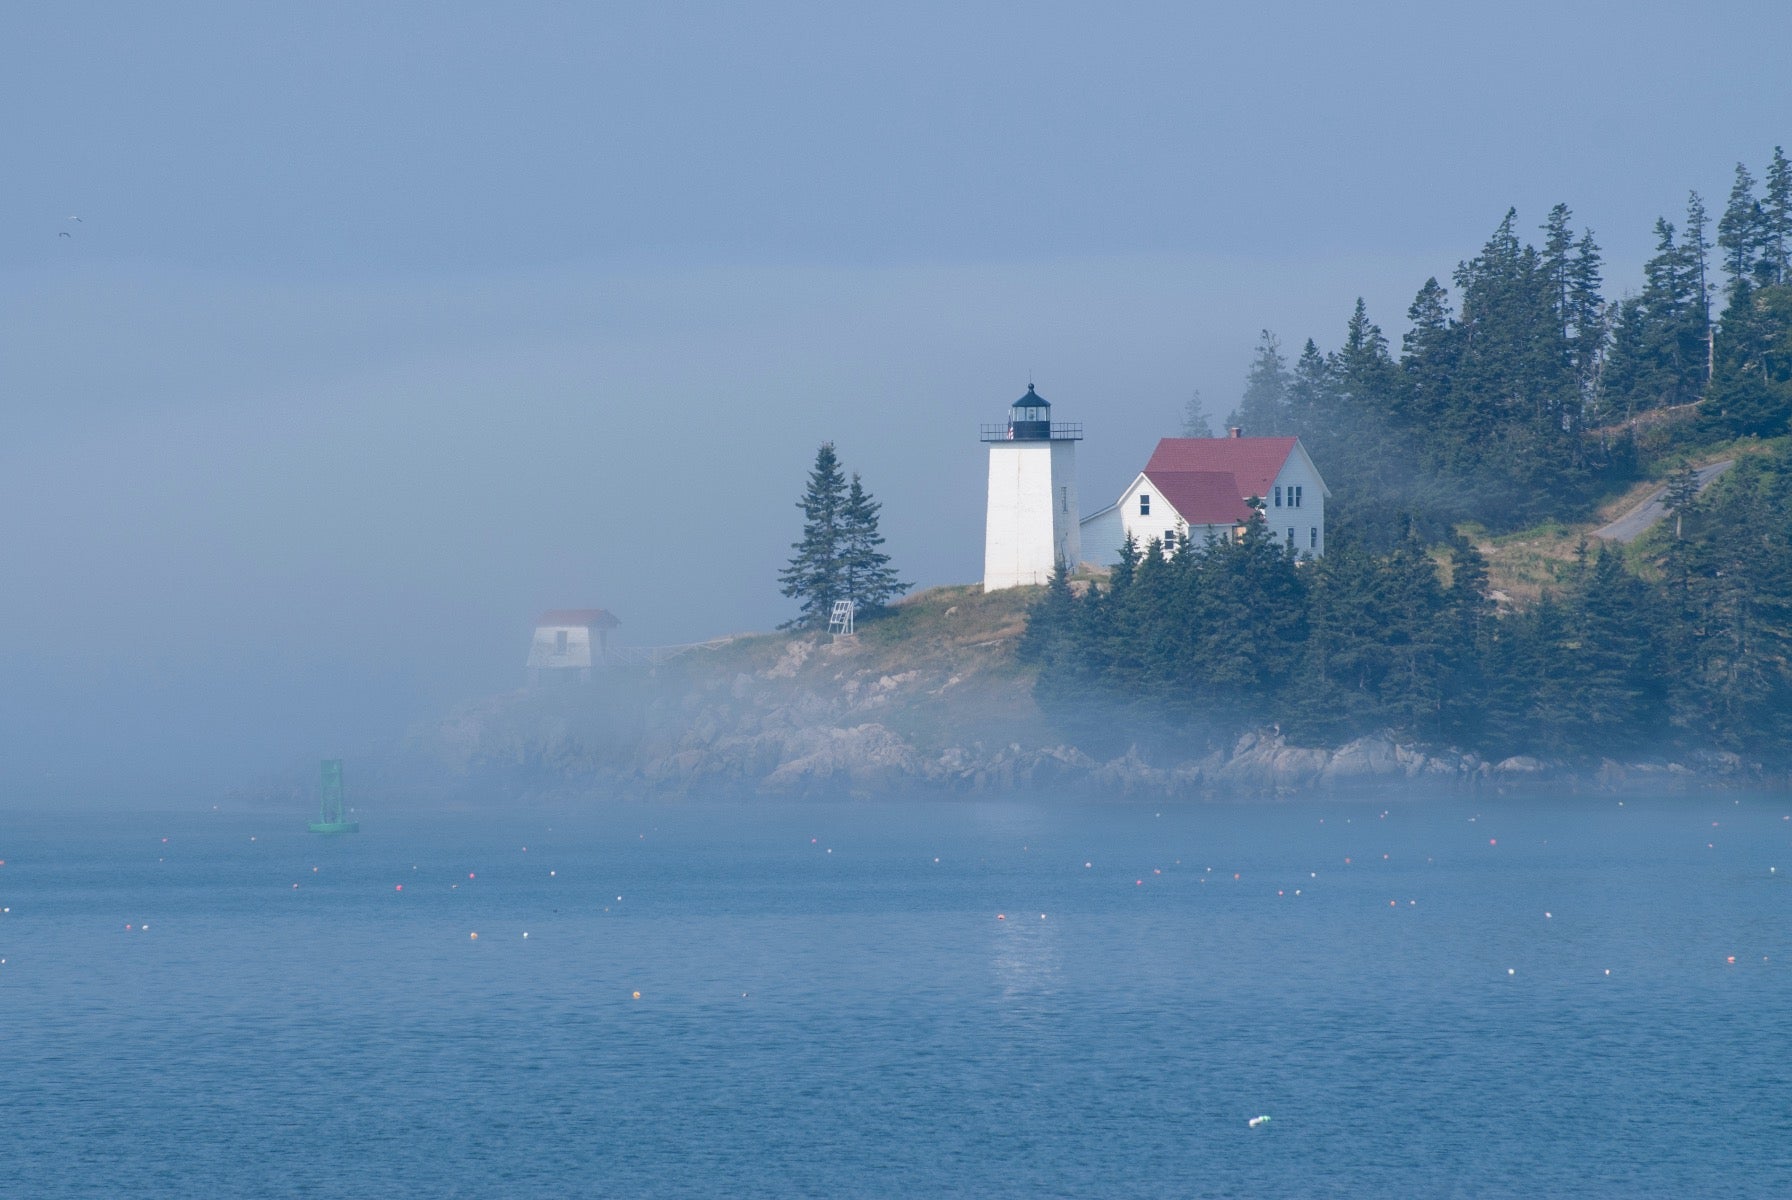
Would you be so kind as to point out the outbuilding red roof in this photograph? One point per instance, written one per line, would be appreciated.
(595, 618)
(1201, 497)
(1253, 462)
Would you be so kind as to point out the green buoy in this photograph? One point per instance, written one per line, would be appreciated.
(329, 812)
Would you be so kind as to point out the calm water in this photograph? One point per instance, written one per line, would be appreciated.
(1416, 994)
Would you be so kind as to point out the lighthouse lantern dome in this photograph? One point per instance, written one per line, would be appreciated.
(1030, 417)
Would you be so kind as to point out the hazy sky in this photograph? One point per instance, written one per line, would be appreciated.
(386, 326)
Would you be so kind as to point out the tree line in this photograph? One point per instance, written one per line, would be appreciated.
(1506, 402)
(1210, 640)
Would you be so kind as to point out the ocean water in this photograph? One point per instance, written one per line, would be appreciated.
(1019, 998)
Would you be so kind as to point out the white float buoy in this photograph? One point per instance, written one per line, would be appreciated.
(1256, 1121)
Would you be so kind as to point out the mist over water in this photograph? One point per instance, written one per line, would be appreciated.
(1021, 997)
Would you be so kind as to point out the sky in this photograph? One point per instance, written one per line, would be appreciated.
(384, 327)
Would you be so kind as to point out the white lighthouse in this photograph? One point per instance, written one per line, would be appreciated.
(1032, 522)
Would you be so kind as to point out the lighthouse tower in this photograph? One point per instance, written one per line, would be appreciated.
(1032, 517)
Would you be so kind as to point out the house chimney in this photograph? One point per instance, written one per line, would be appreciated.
(1233, 431)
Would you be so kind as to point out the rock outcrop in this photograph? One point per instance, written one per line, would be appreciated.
(930, 697)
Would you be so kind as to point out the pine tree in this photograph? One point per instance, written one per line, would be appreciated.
(866, 577)
(1310, 393)
(1695, 253)
(1741, 232)
(1195, 423)
(815, 576)
(1777, 219)
(1661, 351)
(1682, 490)
(1611, 658)
(1425, 354)
(1263, 412)
(1558, 242)
(1587, 315)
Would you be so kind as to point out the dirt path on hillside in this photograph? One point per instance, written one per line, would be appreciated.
(1642, 518)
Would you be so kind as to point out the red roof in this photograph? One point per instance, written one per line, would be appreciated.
(1201, 497)
(1254, 462)
(595, 618)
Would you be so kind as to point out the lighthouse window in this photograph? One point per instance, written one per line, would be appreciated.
(1144, 505)
(1064, 499)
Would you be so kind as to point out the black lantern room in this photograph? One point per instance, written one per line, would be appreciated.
(1030, 418)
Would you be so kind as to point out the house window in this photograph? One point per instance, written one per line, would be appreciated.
(1278, 497)
(559, 641)
(1313, 538)
(1144, 504)
(1169, 539)
(1296, 491)
(1291, 536)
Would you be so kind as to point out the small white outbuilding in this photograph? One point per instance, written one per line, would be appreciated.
(568, 642)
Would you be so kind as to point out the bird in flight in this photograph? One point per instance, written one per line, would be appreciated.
(65, 233)
(72, 218)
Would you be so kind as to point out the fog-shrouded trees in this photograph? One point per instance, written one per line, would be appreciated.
(1208, 641)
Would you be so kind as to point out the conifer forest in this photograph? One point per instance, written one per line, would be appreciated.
(1521, 393)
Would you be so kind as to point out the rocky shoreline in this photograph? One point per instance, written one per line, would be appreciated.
(931, 700)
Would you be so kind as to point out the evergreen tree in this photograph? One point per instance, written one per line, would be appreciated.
(1590, 328)
(815, 575)
(1682, 490)
(1660, 354)
(1695, 255)
(1310, 393)
(1466, 620)
(1558, 265)
(1610, 659)
(1263, 412)
(1195, 423)
(1426, 353)
(1741, 232)
(866, 577)
(1777, 220)
(1050, 620)
(1752, 387)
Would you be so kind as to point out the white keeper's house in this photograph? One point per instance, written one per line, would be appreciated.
(1201, 487)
